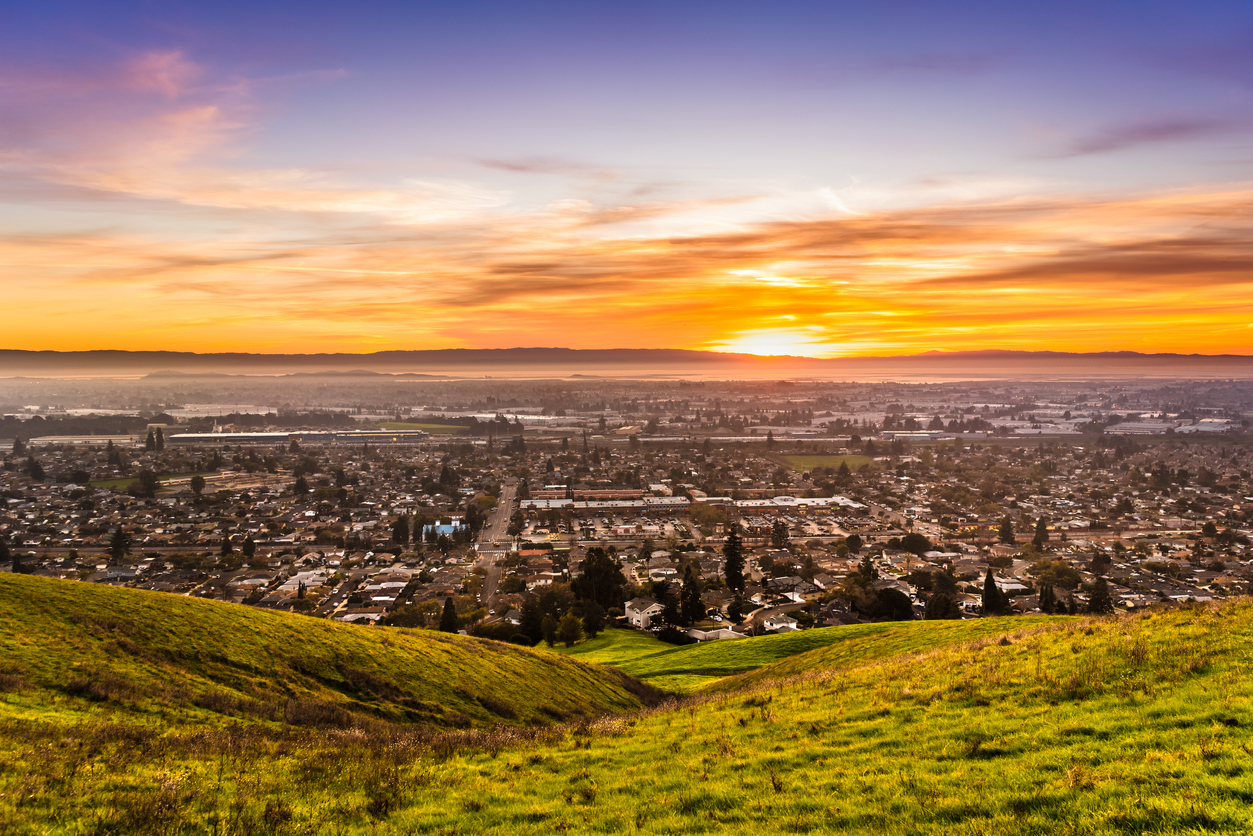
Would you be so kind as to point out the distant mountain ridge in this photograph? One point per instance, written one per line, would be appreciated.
(420, 364)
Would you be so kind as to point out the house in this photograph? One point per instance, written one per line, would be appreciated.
(641, 611)
(716, 634)
(781, 623)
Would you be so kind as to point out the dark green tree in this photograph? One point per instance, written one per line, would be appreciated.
(400, 530)
(197, 484)
(150, 443)
(8, 555)
(569, 630)
(549, 627)
(691, 608)
(1041, 533)
(301, 486)
(916, 543)
(531, 624)
(995, 602)
(34, 469)
(119, 544)
(1048, 601)
(1100, 602)
(1006, 532)
(941, 606)
(19, 447)
(249, 548)
(779, 534)
(1100, 563)
(160, 440)
(448, 619)
(853, 541)
(733, 559)
(601, 579)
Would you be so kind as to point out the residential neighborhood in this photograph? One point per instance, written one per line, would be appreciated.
(724, 509)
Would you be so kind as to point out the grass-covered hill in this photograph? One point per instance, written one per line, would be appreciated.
(1126, 724)
(695, 667)
(75, 650)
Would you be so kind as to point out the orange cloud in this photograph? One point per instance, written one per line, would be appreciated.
(206, 254)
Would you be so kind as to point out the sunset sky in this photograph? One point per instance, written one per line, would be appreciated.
(827, 179)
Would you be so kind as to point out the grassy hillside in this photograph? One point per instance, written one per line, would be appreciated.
(692, 667)
(83, 650)
(1127, 724)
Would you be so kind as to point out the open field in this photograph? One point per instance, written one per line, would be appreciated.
(1132, 723)
(433, 429)
(125, 482)
(804, 463)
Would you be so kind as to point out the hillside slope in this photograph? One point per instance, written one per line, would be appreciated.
(95, 650)
(1124, 724)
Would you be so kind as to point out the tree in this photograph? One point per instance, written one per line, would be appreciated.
(34, 469)
(1041, 533)
(569, 630)
(448, 619)
(400, 530)
(197, 484)
(119, 544)
(691, 608)
(549, 627)
(866, 569)
(301, 487)
(770, 439)
(1055, 573)
(249, 548)
(592, 615)
(1100, 563)
(940, 606)
(916, 543)
(1100, 602)
(853, 541)
(1006, 532)
(531, 624)
(600, 580)
(995, 602)
(737, 609)
(7, 555)
(779, 534)
(150, 443)
(1048, 602)
(160, 440)
(733, 560)
(19, 447)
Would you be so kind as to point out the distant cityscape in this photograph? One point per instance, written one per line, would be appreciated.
(357, 501)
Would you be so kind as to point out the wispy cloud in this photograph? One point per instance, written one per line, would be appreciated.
(1152, 131)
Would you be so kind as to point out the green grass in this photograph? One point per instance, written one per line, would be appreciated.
(433, 429)
(614, 647)
(1129, 724)
(152, 654)
(690, 667)
(803, 463)
(126, 481)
